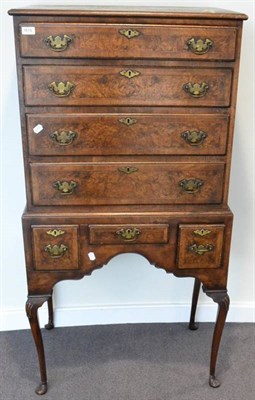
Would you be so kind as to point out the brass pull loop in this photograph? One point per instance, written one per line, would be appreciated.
(128, 170)
(191, 185)
(129, 33)
(65, 188)
(63, 138)
(129, 73)
(61, 89)
(194, 138)
(128, 121)
(199, 46)
(58, 43)
(56, 251)
(128, 234)
(196, 89)
(200, 249)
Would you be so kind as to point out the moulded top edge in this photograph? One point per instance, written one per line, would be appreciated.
(175, 12)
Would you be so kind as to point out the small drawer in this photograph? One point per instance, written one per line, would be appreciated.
(55, 247)
(118, 183)
(62, 85)
(112, 134)
(200, 246)
(128, 234)
(59, 40)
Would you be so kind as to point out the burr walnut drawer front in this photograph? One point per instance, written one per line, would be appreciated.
(126, 85)
(55, 247)
(110, 134)
(119, 234)
(134, 183)
(200, 246)
(58, 40)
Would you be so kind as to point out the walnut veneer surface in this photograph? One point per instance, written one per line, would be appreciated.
(127, 121)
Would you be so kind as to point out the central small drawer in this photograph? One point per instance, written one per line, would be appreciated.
(126, 86)
(119, 234)
(134, 183)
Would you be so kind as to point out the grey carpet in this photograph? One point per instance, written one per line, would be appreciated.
(130, 362)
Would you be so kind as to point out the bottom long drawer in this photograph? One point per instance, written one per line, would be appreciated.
(133, 183)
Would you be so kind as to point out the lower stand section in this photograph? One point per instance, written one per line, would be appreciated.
(32, 305)
(222, 299)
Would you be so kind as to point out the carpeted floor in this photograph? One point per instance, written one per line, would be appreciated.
(130, 362)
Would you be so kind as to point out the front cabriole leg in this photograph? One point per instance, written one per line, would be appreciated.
(32, 305)
(221, 297)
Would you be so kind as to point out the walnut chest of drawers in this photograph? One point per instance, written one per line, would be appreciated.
(127, 123)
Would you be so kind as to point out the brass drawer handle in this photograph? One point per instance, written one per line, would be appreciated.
(65, 188)
(128, 121)
(129, 73)
(200, 249)
(196, 89)
(194, 138)
(199, 46)
(58, 43)
(61, 89)
(191, 185)
(63, 138)
(128, 234)
(128, 170)
(56, 251)
(129, 33)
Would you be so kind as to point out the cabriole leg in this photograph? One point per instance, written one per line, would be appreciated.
(192, 325)
(32, 305)
(221, 297)
(50, 324)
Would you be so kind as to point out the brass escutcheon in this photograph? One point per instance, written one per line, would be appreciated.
(196, 89)
(202, 232)
(56, 251)
(200, 249)
(191, 185)
(61, 89)
(55, 232)
(128, 121)
(128, 234)
(194, 138)
(58, 43)
(199, 46)
(63, 138)
(129, 73)
(129, 33)
(65, 188)
(128, 170)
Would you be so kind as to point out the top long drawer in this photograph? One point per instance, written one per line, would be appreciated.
(58, 40)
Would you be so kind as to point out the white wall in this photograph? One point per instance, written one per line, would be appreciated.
(128, 289)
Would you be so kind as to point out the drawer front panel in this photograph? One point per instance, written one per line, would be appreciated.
(68, 85)
(55, 247)
(133, 183)
(128, 41)
(81, 134)
(128, 234)
(200, 246)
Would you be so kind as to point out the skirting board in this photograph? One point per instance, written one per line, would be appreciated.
(15, 319)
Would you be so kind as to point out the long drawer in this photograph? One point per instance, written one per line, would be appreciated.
(134, 183)
(111, 85)
(127, 41)
(110, 134)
